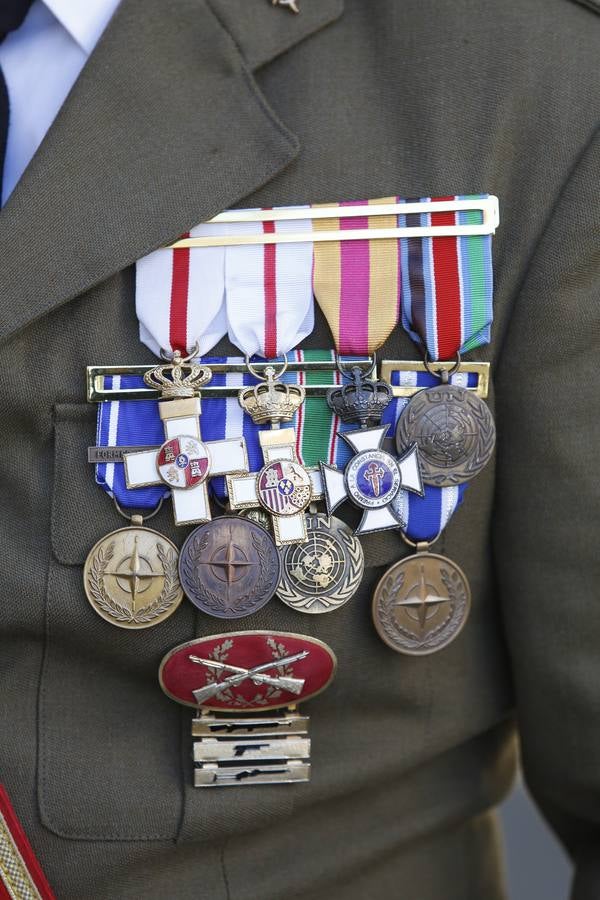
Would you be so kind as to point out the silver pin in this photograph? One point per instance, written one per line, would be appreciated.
(292, 5)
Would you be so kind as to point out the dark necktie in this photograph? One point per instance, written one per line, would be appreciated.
(12, 13)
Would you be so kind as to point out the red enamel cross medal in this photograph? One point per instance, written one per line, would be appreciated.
(245, 687)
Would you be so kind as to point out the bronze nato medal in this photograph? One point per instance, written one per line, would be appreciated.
(454, 431)
(130, 577)
(321, 575)
(229, 567)
(421, 604)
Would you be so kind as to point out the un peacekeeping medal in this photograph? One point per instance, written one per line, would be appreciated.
(421, 604)
(283, 488)
(130, 577)
(245, 687)
(373, 477)
(454, 431)
(322, 574)
(229, 567)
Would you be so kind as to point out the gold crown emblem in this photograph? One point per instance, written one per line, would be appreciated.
(271, 401)
(180, 378)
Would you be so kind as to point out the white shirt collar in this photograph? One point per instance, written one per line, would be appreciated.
(85, 20)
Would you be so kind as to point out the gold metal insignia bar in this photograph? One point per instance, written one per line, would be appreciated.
(98, 392)
(390, 366)
(487, 206)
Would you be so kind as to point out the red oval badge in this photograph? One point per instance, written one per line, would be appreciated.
(247, 671)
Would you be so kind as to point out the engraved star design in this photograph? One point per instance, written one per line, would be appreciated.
(230, 564)
(133, 575)
(423, 600)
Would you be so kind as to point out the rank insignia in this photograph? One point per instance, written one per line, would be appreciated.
(245, 686)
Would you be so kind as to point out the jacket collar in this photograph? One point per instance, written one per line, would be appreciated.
(144, 147)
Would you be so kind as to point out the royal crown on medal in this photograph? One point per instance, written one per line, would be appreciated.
(271, 401)
(362, 401)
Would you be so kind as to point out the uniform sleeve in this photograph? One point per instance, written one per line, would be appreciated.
(546, 528)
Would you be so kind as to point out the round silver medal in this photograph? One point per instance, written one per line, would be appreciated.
(454, 431)
(322, 574)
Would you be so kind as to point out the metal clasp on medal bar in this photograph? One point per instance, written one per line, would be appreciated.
(97, 391)
(390, 366)
(487, 206)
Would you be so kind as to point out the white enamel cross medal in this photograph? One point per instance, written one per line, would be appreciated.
(373, 479)
(184, 462)
(283, 488)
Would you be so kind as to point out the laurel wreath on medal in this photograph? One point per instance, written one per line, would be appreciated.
(355, 557)
(215, 601)
(116, 610)
(438, 635)
(221, 653)
(388, 596)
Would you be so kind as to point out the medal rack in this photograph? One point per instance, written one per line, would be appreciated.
(251, 749)
(487, 207)
(98, 392)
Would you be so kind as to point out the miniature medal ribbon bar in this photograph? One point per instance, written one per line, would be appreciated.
(245, 687)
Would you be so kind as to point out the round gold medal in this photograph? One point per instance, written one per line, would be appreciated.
(130, 577)
(421, 604)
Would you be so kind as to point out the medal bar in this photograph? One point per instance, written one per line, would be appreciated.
(487, 206)
(98, 392)
(389, 367)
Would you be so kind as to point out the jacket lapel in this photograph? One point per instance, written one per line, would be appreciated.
(164, 128)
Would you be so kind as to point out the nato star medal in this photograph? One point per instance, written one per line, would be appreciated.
(229, 567)
(130, 577)
(421, 603)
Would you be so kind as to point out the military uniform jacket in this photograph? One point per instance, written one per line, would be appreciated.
(189, 107)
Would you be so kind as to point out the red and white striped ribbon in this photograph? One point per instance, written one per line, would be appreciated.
(261, 295)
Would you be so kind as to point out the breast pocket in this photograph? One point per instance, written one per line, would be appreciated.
(110, 762)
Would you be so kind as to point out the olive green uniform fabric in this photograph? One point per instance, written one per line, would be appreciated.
(188, 107)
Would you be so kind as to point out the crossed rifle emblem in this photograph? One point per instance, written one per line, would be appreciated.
(256, 674)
